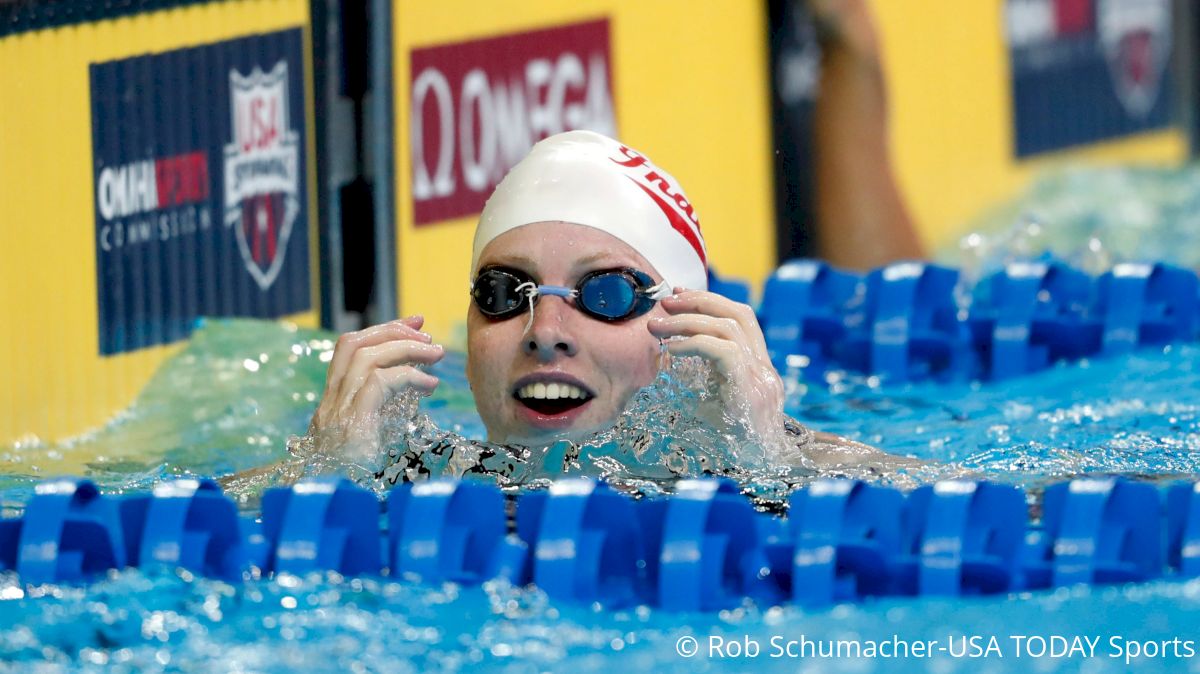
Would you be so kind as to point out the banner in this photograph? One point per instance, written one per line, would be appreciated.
(201, 201)
(479, 106)
(1087, 70)
(477, 84)
(155, 167)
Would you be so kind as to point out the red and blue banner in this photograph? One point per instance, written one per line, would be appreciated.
(1087, 70)
(201, 192)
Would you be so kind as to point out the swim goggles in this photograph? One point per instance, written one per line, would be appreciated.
(610, 295)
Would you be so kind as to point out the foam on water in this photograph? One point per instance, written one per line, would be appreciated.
(206, 413)
(1135, 414)
(674, 428)
(1133, 213)
(138, 622)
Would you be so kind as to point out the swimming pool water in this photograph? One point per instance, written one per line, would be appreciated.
(1134, 415)
(1093, 216)
(230, 400)
(139, 623)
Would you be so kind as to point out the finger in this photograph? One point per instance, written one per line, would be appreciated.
(338, 391)
(371, 359)
(722, 353)
(687, 325)
(404, 328)
(389, 381)
(712, 304)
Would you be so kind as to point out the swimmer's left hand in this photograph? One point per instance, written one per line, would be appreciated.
(727, 335)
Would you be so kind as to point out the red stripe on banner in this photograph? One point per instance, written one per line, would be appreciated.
(677, 222)
(1073, 16)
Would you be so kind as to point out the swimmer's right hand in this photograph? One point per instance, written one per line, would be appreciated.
(368, 368)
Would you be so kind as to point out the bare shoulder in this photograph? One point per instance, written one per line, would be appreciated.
(835, 454)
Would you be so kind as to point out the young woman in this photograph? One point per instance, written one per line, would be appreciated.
(587, 259)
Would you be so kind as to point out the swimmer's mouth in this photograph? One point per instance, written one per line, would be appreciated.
(551, 398)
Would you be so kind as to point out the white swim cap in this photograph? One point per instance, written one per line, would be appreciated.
(588, 179)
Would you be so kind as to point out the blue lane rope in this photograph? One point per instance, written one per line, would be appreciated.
(184, 523)
(322, 524)
(843, 534)
(451, 531)
(703, 548)
(913, 321)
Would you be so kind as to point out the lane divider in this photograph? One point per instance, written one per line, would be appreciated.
(322, 524)
(704, 548)
(184, 523)
(912, 321)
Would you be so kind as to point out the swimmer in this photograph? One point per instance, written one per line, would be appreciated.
(588, 261)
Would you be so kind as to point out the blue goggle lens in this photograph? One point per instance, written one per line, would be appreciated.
(611, 296)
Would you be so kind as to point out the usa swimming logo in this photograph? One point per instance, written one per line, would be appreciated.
(1136, 37)
(262, 181)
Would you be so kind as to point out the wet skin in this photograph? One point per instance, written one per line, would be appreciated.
(604, 363)
(607, 362)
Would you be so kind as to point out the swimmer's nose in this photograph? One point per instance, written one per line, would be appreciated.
(550, 334)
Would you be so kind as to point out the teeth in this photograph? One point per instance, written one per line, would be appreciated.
(552, 391)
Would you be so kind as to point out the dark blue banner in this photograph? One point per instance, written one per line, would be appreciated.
(200, 188)
(1087, 70)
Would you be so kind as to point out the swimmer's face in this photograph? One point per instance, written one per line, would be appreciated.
(604, 363)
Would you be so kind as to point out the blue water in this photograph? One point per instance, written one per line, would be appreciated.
(1134, 415)
(231, 399)
(138, 623)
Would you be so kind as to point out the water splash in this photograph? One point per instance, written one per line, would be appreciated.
(1139, 213)
(206, 414)
(674, 428)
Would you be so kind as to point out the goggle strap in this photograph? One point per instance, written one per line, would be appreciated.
(531, 291)
(557, 290)
(658, 291)
(528, 288)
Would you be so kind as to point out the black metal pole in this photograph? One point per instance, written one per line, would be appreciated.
(381, 144)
